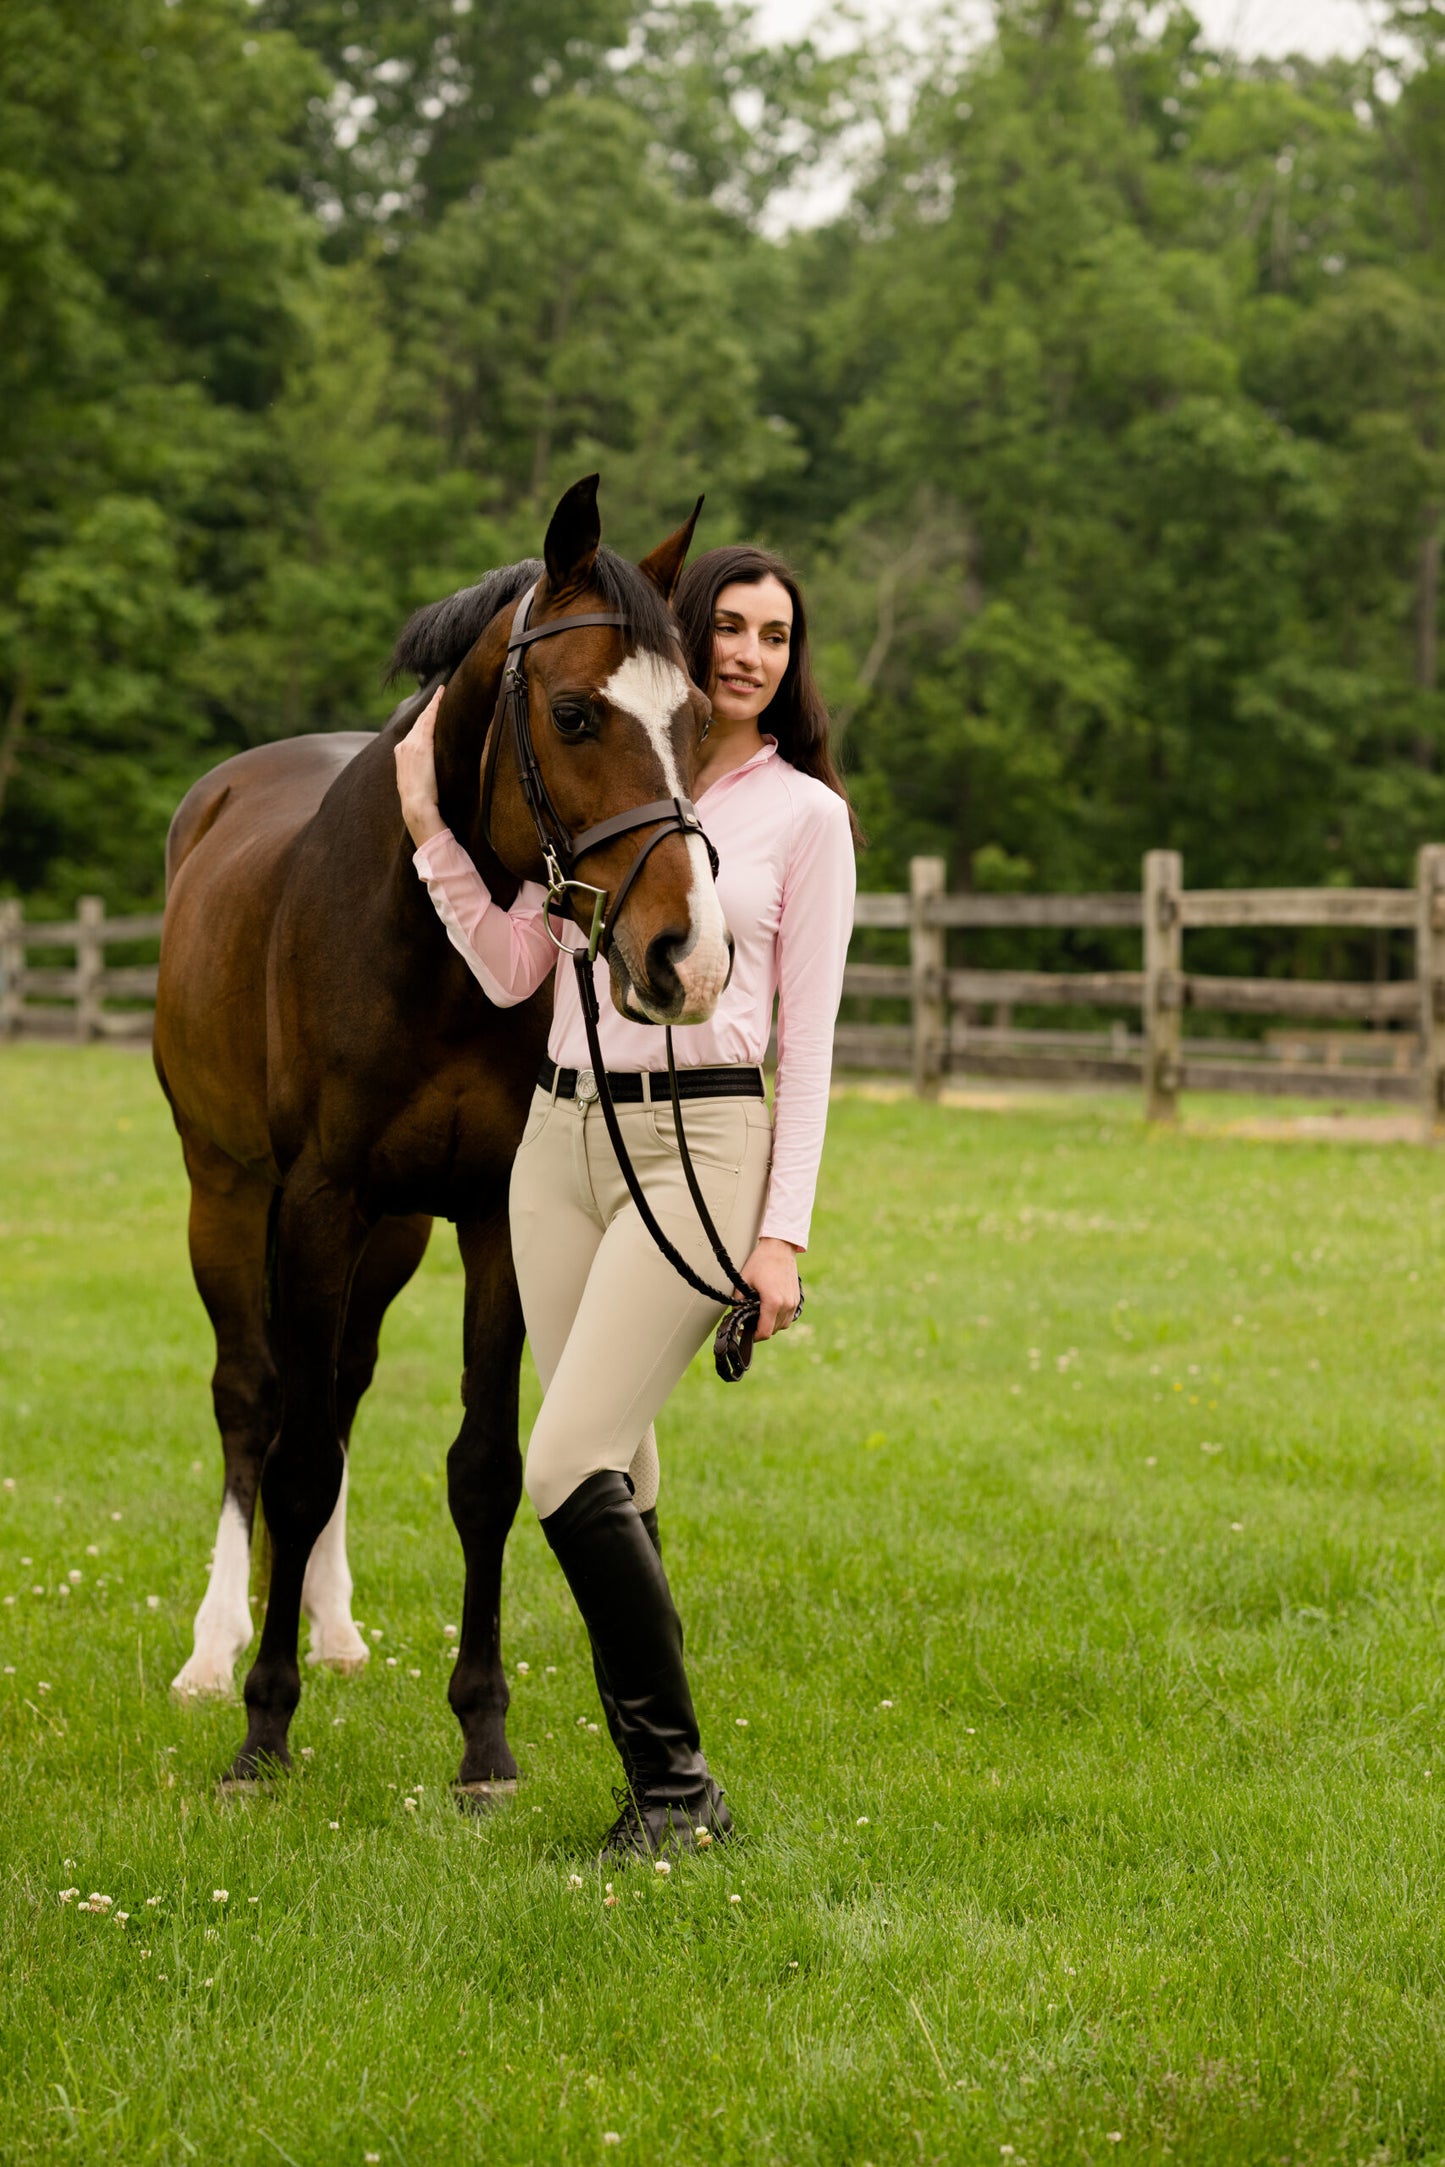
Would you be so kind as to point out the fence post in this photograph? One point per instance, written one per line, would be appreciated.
(926, 878)
(12, 963)
(89, 963)
(1163, 991)
(1430, 977)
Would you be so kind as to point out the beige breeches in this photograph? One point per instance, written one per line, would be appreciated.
(612, 1326)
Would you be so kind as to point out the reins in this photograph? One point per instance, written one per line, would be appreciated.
(561, 853)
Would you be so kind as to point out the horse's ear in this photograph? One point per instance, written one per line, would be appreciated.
(664, 566)
(573, 537)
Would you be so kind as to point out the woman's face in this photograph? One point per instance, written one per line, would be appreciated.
(752, 630)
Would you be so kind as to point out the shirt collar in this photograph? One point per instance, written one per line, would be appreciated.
(766, 751)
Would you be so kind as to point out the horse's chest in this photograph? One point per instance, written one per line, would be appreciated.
(449, 1150)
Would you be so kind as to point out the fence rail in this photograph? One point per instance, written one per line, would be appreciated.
(1390, 1047)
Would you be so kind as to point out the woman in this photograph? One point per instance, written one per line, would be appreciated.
(612, 1326)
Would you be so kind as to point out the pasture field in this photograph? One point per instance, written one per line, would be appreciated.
(1065, 1605)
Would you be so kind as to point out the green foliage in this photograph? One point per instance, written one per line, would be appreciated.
(1107, 423)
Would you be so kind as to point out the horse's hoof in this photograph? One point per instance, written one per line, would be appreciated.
(483, 1796)
(231, 1790)
(347, 1658)
(254, 1771)
(190, 1686)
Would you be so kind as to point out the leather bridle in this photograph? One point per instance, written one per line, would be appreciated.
(561, 852)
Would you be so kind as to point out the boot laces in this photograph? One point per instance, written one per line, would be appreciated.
(629, 1831)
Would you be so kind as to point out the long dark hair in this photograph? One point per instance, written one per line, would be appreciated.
(797, 715)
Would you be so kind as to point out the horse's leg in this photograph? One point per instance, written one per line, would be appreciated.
(390, 1257)
(484, 1482)
(228, 1257)
(320, 1236)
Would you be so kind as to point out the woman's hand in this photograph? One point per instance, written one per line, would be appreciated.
(416, 775)
(773, 1270)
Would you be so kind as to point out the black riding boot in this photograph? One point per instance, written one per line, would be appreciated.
(618, 1583)
(604, 1690)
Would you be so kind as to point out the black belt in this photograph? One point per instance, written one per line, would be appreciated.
(639, 1087)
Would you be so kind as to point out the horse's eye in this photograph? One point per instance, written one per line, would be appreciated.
(571, 719)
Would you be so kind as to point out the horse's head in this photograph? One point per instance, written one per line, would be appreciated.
(615, 723)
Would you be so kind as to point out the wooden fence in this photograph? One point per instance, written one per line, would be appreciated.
(53, 1000)
(1392, 1046)
(944, 1036)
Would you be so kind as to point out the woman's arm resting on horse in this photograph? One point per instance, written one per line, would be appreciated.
(508, 952)
(813, 932)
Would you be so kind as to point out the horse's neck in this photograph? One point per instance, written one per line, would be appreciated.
(461, 741)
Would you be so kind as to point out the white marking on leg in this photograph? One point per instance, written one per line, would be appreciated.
(223, 1622)
(326, 1596)
(651, 689)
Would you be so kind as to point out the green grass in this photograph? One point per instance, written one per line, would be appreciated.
(1143, 1861)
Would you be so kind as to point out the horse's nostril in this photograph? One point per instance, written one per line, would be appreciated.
(662, 950)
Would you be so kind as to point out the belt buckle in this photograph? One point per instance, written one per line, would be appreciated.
(586, 1087)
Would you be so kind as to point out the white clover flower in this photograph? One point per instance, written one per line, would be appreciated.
(75, 1576)
(610, 2136)
(410, 1804)
(862, 1821)
(574, 1881)
(449, 1632)
(522, 1669)
(62, 1589)
(703, 1838)
(42, 1685)
(306, 1752)
(153, 1602)
(661, 1866)
(333, 1824)
(741, 1722)
(885, 1704)
(92, 1550)
(220, 1896)
(391, 1662)
(413, 1674)
(66, 1894)
(735, 1899)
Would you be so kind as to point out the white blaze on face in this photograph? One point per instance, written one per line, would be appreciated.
(651, 689)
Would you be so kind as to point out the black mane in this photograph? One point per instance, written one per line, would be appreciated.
(437, 637)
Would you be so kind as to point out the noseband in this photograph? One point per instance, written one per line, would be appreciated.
(561, 849)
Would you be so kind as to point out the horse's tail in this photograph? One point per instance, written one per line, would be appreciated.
(261, 1550)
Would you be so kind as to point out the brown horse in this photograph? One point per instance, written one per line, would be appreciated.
(338, 1078)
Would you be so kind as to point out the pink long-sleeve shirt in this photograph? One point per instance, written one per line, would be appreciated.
(786, 881)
